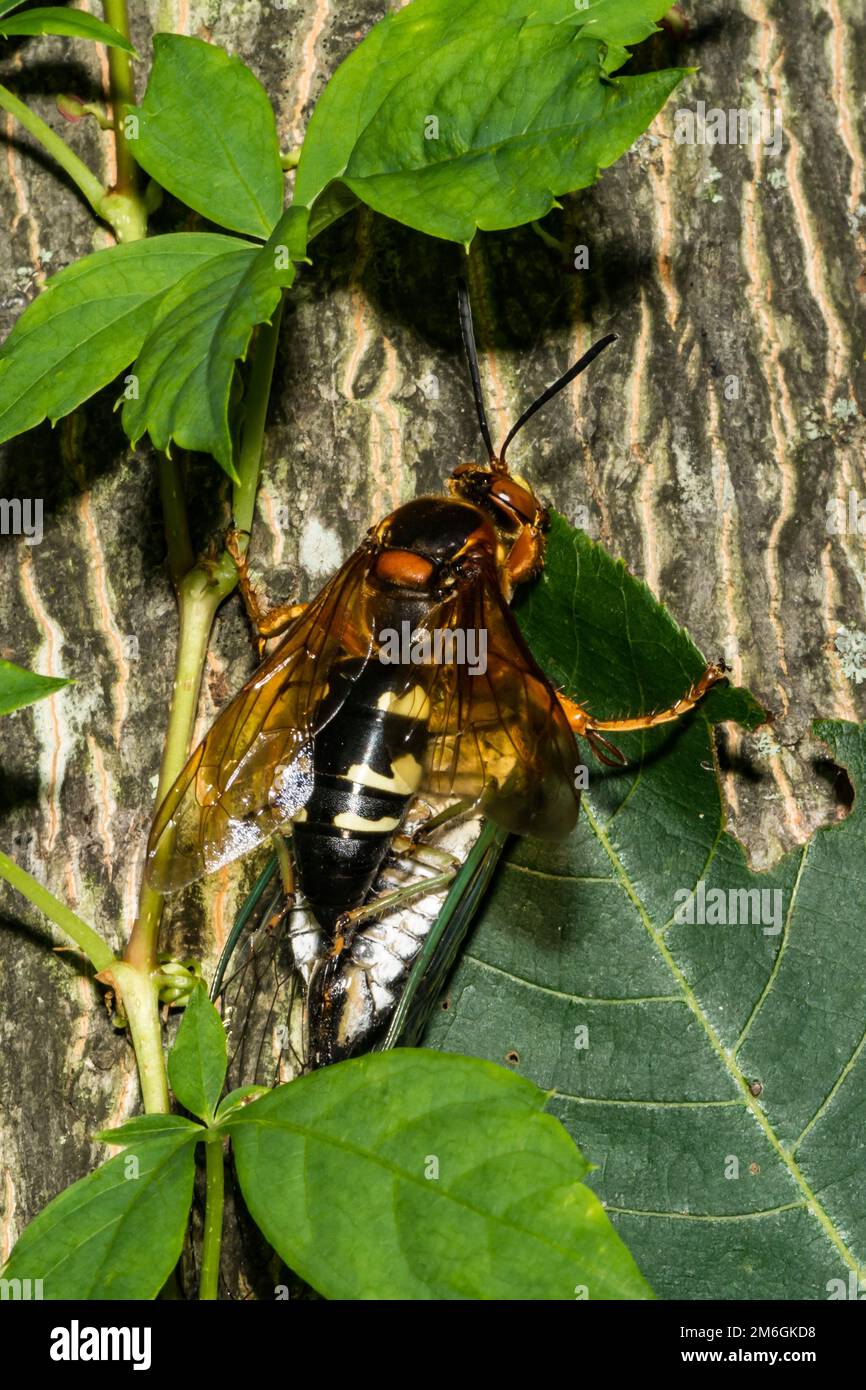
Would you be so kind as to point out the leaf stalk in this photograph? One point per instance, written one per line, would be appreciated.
(213, 1219)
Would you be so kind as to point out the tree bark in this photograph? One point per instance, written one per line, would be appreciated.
(704, 449)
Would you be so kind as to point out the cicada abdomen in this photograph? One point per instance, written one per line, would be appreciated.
(292, 1005)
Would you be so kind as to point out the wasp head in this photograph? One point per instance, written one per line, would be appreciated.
(505, 498)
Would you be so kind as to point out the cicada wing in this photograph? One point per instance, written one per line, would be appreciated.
(254, 769)
(497, 732)
(262, 1001)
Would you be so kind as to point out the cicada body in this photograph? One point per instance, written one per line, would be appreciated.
(292, 1005)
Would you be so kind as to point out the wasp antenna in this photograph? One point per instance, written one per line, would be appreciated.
(464, 309)
(581, 366)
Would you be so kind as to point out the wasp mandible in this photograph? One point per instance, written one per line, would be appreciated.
(329, 739)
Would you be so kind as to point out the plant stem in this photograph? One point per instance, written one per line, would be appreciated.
(125, 204)
(213, 1220)
(141, 1006)
(200, 593)
(198, 598)
(252, 440)
(180, 553)
(97, 951)
(83, 177)
(122, 94)
(123, 211)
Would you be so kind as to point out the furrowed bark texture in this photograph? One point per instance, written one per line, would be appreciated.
(703, 449)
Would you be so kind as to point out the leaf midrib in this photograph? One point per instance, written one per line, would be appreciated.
(810, 1198)
(476, 152)
(227, 153)
(313, 1136)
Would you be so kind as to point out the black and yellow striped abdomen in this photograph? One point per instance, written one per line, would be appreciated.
(366, 768)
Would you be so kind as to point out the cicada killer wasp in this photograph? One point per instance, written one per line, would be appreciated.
(348, 751)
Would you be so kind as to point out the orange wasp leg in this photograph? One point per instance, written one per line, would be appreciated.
(526, 556)
(265, 622)
(584, 724)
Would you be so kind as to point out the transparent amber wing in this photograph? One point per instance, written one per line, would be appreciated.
(500, 736)
(253, 770)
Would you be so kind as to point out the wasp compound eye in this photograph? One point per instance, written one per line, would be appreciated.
(514, 499)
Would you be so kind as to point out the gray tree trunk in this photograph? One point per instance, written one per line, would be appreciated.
(704, 449)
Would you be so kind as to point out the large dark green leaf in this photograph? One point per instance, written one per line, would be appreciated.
(207, 133)
(413, 1175)
(19, 687)
(459, 114)
(89, 323)
(73, 24)
(719, 1082)
(185, 369)
(118, 1232)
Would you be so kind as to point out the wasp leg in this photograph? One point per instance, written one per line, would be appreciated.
(403, 847)
(526, 556)
(585, 724)
(465, 807)
(443, 864)
(385, 902)
(266, 622)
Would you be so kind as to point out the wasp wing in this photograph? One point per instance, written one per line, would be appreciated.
(497, 732)
(254, 768)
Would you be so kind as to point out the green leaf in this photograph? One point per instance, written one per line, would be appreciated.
(116, 1234)
(89, 323)
(150, 1127)
(19, 687)
(239, 1098)
(606, 641)
(413, 1175)
(185, 370)
(454, 115)
(623, 21)
(73, 24)
(7, 5)
(718, 1085)
(207, 134)
(197, 1062)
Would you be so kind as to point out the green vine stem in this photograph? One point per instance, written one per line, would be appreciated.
(121, 207)
(213, 1218)
(200, 593)
(122, 95)
(141, 1006)
(199, 597)
(201, 587)
(97, 951)
(125, 200)
(82, 176)
(180, 553)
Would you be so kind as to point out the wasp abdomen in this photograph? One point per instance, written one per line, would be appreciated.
(366, 768)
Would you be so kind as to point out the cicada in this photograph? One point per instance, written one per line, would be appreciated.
(369, 730)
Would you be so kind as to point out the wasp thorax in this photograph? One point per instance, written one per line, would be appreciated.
(437, 530)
